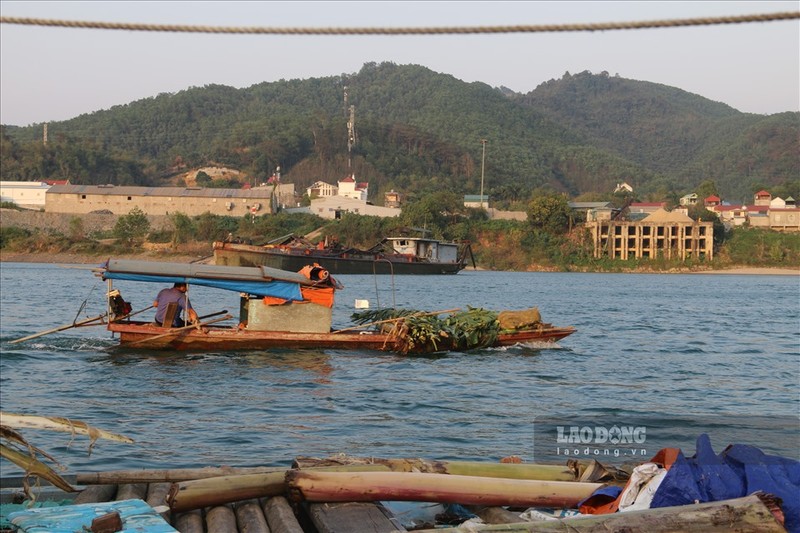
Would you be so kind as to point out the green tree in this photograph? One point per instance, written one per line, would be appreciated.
(131, 229)
(434, 212)
(202, 179)
(183, 228)
(706, 189)
(549, 213)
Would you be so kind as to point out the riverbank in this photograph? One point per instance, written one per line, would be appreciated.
(87, 259)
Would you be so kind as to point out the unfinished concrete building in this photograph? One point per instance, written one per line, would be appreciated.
(670, 235)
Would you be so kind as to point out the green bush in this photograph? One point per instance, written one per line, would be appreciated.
(12, 234)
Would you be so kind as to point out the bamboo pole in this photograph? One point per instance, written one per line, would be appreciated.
(87, 322)
(280, 516)
(157, 497)
(221, 518)
(413, 315)
(96, 493)
(749, 514)
(318, 486)
(250, 517)
(190, 495)
(116, 477)
(131, 491)
(542, 472)
(191, 522)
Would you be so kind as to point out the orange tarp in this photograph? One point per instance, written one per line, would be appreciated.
(321, 295)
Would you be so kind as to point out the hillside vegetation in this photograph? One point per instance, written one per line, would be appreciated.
(418, 131)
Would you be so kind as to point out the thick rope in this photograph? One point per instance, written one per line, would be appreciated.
(545, 28)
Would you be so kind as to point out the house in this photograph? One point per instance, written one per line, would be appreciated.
(758, 216)
(646, 207)
(762, 198)
(731, 215)
(784, 219)
(712, 201)
(495, 214)
(476, 201)
(392, 199)
(689, 199)
(335, 207)
(350, 188)
(777, 203)
(191, 201)
(623, 188)
(27, 194)
(321, 189)
(593, 210)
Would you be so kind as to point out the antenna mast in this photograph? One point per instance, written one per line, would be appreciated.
(351, 134)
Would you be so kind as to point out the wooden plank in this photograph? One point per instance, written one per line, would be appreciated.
(96, 493)
(351, 518)
(250, 518)
(280, 516)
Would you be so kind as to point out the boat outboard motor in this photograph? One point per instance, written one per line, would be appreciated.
(119, 307)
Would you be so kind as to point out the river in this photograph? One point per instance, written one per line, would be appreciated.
(656, 361)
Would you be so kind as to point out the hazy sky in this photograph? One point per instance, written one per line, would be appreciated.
(49, 74)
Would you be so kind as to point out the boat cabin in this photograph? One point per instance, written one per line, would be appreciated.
(425, 249)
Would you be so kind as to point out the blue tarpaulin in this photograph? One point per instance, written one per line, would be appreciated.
(277, 289)
(136, 515)
(740, 470)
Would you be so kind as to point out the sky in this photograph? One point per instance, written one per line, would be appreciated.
(51, 74)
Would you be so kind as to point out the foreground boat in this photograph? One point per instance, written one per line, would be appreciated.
(280, 309)
(392, 255)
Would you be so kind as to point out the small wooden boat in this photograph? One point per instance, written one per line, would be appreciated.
(392, 255)
(278, 309)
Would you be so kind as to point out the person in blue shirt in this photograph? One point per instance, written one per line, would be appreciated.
(177, 294)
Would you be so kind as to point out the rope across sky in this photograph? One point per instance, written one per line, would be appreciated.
(543, 28)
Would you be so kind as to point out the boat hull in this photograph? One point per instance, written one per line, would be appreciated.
(230, 254)
(149, 336)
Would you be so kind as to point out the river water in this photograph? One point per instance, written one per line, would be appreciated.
(656, 361)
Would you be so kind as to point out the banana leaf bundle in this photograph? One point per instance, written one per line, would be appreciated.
(421, 333)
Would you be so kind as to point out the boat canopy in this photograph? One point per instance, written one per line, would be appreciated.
(259, 281)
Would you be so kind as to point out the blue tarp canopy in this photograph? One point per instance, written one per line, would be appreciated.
(259, 281)
(276, 289)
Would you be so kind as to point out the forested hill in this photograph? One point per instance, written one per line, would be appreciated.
(419, 131)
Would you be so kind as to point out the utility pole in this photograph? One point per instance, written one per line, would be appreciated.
(483, 167)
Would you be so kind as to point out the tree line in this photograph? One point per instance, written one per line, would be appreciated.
(418, 131)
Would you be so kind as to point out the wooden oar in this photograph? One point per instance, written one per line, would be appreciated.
(86, 322)
(396, 319)
(175, 331)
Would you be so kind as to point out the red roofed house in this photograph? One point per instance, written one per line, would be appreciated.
(349, 188)
(712, 201)
(762, 198)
